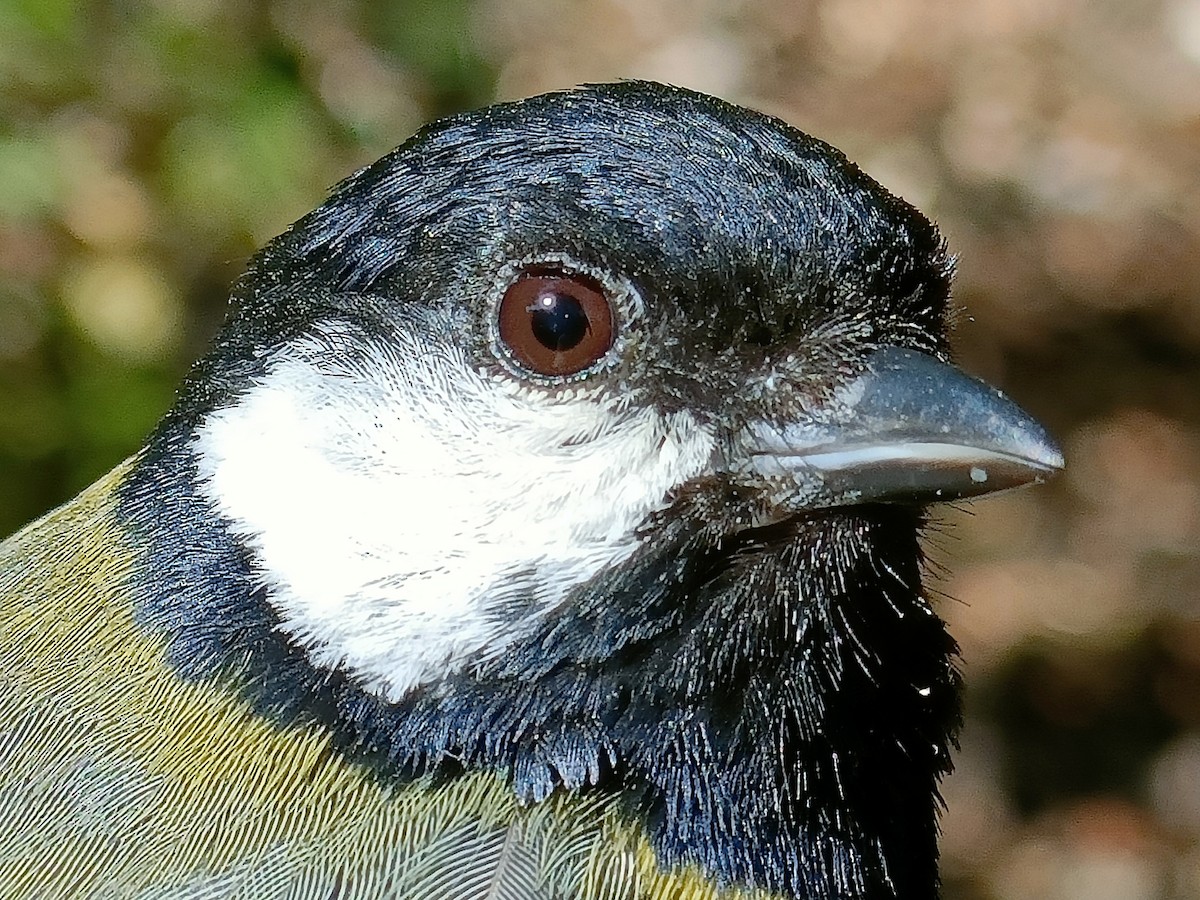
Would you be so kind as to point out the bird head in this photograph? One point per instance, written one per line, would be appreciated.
(586, 438)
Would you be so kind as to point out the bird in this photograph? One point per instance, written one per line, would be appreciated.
(543, 523)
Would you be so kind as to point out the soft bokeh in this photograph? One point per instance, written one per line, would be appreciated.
(147, 149)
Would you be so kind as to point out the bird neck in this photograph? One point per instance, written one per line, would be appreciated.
(774, 708)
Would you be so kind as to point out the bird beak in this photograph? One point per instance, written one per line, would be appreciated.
(910, 429)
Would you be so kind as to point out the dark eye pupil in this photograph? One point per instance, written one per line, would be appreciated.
(558, 320)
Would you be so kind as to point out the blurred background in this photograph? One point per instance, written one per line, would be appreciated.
(146, 149)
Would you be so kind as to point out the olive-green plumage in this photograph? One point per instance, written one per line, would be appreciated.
(119, 779)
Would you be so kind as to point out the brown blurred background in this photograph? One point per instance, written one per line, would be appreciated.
(147, 149)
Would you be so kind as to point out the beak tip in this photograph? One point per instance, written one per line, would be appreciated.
(1041, 453)
(1053, 461)
(1019, 455)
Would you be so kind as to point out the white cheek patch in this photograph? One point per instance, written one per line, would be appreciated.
(408, 513)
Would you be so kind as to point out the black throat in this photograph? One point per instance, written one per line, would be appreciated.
(774, 706)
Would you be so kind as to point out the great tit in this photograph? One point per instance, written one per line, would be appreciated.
(543, 524)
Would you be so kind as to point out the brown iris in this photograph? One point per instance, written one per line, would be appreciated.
(556, 323)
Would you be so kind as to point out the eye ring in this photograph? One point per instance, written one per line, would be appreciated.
(555, 322)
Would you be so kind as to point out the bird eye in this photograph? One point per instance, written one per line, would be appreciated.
(556, 323)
